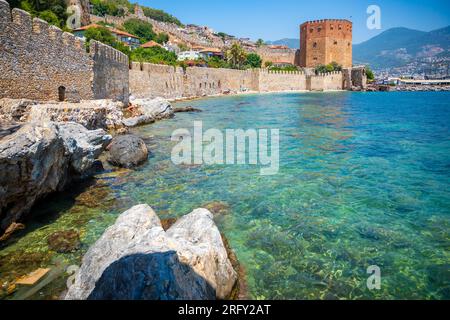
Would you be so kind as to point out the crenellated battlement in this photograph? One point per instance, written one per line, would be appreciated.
(5, 12)
(326, 74)
(39, 61)
(326, 20)
(98, 50)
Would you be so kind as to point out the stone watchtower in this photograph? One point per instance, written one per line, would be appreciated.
(325, 41)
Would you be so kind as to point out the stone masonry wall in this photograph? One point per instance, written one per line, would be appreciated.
(111, 73)
(38, 60)
(209, 81)
(324, 82)
(151, 80)
(281, 81)
(325, 41)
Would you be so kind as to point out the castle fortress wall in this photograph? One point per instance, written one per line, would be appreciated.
(110, 72)
(281, 81)
(285, 55)
(155, 80)
(209, 81)
(37, 59)
(151, 80)
(325, 82)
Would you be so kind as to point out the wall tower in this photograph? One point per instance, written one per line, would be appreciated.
(325, 41)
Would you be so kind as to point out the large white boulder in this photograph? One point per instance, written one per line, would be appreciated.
(135, 259)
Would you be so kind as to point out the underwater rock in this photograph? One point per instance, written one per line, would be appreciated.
(33, 277)
(150, 110)
(137, 259)
(41, 158)
(127, 151)
(64, 241)
(13, 227)
(217, 207)
(186, 109)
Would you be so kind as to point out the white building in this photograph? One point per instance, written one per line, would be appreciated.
(189, 55)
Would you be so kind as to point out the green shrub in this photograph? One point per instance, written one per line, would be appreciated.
(160, 15)
(103, 35)
(253, 60)
(141, 29)
(52, 11)
(333, 66)
(154, 55)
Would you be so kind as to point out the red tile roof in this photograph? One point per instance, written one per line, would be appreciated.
(151, 44)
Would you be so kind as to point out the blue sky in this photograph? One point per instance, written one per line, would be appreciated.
(273, 20)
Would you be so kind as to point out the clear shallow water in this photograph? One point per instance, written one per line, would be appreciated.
(364, 180)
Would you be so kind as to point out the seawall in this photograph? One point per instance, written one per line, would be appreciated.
(151, 80)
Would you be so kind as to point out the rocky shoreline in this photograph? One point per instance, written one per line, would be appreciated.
(46, 147)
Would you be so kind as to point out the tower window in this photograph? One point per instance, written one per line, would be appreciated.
(319, 29)
(340, 27)
(315, 45)
(335, 42)
(311, 30)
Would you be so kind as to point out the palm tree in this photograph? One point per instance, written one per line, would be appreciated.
(236, 56)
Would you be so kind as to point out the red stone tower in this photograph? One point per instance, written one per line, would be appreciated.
(325, 41)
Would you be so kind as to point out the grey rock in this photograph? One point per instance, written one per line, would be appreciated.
(150, 110)
(92, 114)
(186, 109)
(15, 110)
(127, 151)
(39, 159)
(135, 259)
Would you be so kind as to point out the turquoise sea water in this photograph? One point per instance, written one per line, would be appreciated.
(364, 180)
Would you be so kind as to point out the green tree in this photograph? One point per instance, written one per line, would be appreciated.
(160, 15)
(253, 60)
(50, 17)
(268, 64)
(141, 29)
(260, 42)
(162, 38)
(103, 35)
(370, 74)
(156, 55)
(333, 66)
(236, 56)
(52, 11)
(216, 62)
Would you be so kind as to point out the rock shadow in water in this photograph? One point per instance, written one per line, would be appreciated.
(155, 276)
